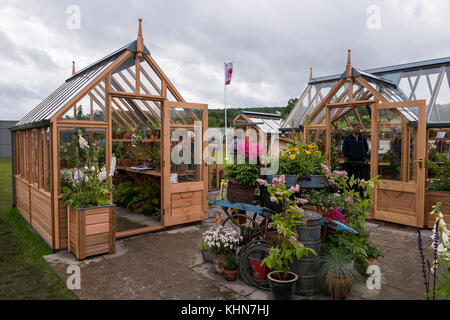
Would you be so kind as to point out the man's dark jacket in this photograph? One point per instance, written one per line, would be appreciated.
(355, 149)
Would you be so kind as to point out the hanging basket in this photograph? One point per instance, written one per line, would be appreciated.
(240, 193)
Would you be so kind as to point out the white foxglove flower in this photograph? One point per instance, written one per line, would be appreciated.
(113, 166)
(102, 174)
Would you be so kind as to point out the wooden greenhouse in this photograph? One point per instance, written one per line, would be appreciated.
(106, 101)
(405, 113)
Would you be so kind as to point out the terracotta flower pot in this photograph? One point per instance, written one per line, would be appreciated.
(230, 275)
(127, 135)
(339, 286)
(219, 262)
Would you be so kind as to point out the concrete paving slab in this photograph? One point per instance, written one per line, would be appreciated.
(168, 265)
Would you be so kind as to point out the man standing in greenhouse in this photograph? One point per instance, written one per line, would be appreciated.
(355, 150)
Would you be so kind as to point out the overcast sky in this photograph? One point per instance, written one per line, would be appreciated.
(271, 43)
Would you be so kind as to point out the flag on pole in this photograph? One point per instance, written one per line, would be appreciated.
(228, 72)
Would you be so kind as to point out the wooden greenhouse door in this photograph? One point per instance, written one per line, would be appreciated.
(399, 162)
(186, 200)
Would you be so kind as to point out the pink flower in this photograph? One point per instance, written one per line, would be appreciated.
(292, 239)
(349, 200)
(273, 199)
(325, 169)
(261, 182)
(251, 151)
(302, 201)
(300, 244)
(331, 182)
(340, 174)
(295, 189)
(336, 214)
(279, 193)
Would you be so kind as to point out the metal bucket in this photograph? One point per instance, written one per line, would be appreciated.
(308, 267)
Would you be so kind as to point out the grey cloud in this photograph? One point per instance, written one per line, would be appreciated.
(271, 42)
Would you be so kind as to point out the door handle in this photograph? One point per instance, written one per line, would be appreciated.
(420, 161)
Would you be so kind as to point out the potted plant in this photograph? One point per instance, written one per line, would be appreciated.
(114, 132)
(221, 241)
(156, 156)
(304, 161)
(206, 254)
(157, 132)
(122, 131)
(127, 134)
(230, 270)
(339, 273)
(243, 174)
(149, 130)
(91, 214)
(282, 280)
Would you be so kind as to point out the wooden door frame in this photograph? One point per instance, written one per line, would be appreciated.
(168, 188)
(417, 186)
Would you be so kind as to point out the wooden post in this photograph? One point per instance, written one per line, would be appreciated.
(39, 150)
(54, 165)
(46, 159)
(108, 137)
(374, 154)
(165, 166)
(328, 136)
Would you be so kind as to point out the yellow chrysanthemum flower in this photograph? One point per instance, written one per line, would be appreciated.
(308, 152)
(292, 157)
(311, 146)
(295, 149)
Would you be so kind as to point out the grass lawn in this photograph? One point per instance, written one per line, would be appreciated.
(24, 274)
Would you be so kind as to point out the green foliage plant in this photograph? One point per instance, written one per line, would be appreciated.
(282, 255)
(86, 185)
(231, 263)
(357, 195)
(301, 160)
(440, 171)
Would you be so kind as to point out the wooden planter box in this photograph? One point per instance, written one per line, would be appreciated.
(240, 193)
(431, 198)
(91, 231)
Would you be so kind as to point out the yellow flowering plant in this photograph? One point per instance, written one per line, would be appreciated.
(301, 160)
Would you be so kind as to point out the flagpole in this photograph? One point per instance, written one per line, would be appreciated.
(225, 102)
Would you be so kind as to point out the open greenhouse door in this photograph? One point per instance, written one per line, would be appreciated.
(185, 174)
(398, 158)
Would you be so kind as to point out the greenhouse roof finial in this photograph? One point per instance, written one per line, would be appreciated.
(140, 39)
(349, 64)
(73, 67)
(310, 73)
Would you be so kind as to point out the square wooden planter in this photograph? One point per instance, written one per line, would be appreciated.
(91, 231)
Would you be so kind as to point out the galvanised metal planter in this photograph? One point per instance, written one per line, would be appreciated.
(313, 182)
